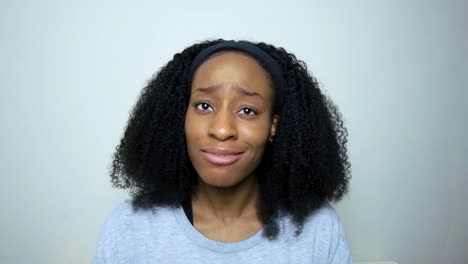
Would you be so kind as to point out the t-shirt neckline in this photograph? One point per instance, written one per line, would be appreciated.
(217, 246)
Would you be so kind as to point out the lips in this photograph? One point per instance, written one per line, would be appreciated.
(218, 156)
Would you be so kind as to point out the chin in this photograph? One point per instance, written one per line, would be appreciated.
(215, 180)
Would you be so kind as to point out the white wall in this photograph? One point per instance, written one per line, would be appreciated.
(71, 71)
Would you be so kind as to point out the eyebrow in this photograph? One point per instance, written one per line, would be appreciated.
(238, 88)
(207, 90)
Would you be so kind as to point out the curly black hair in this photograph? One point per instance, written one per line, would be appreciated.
(305, 167)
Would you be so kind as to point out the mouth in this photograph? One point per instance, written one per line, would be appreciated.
(221, 156)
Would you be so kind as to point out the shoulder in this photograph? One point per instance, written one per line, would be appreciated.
(118, 219)
(324, 231)
(327, 223)
(320, 222)
(123, 227)
(325, 216)
(120, 213)
(124, 218)
(115, 224)
(332, 234)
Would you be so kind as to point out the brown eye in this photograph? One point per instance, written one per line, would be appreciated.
(204, 107)
(247, 111)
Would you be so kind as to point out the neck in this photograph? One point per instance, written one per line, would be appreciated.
(227, 204)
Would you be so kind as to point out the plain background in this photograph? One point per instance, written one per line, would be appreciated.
(72, 70)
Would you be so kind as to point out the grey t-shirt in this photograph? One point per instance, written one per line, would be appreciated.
(167, 236)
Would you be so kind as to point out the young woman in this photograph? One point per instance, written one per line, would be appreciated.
(231, 155)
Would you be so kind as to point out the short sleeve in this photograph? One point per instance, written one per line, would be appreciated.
(340, 252)
(107, 250)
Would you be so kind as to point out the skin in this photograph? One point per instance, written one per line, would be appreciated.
(230, 108)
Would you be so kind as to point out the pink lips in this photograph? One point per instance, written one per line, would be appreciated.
(218, 156)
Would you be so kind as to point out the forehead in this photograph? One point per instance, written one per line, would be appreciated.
(232, 67)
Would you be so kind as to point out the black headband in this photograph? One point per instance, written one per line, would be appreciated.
(267, 62)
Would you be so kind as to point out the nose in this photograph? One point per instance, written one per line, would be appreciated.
(223, 126)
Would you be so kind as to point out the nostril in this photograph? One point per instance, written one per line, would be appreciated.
(223, 127)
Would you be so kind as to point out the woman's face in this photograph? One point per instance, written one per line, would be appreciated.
(229, 118)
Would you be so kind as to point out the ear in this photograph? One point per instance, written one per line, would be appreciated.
(274, 124)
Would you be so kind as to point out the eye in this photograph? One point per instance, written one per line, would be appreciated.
(247, 111)
(203, 107)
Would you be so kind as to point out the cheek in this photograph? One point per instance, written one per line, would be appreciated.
(189, 132)
(256, 133)
(193, 128)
